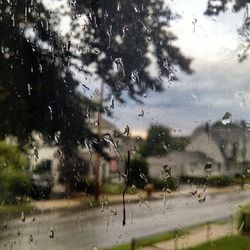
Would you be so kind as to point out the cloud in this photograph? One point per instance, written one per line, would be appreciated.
(220, 83)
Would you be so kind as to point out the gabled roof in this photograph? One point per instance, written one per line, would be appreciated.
(224, 135)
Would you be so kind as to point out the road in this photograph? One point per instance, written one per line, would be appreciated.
(85, 229)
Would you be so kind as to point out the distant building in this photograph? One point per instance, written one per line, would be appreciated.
(108, 169)
(225, 147)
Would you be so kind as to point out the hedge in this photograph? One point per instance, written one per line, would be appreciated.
(243, 219)
(213, 181)
(160, 184)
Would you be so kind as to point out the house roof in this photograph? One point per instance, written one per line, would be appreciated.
(224, 135)
(182, 157)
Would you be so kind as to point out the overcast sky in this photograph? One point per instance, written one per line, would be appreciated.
(219, 84)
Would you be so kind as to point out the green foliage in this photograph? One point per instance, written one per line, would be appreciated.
(138, 24)
(223, 5)
(14, 210)
(112, 188)
(221, 181)
(42, 167)
(38, 91)
(14, 182)
(165, 236)
(234, 242)
(88, 185)
(73, 171)
(213, 181)
(11, 157)
(150, 240)
(243, 219)
(139, 171)
(160, 142)
(160, 184)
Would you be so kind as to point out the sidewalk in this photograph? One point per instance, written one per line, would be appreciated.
(196, 237)
(47, 205)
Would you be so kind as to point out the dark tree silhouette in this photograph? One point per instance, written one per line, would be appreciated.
(120, 35)
(216, 7)
(118, 43)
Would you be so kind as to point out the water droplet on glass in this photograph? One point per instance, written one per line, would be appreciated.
(40, 68)
(208, 169)
(51, 112)
(109, 33)
(126, 130)
(96, 51)
(241, 226)
(132, 189)
(30, 238)
(143, 176)
(141, 113)
(226, 119)
(118, 6)
(202, 198)
(148, 29)
(135, 75)
(119, 65)
(166, 172)
(136, 8)
(51, 233)
(29, 89)
(194, 23)
(112, 105)
(22, 217)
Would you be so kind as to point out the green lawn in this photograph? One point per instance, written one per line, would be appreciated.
(10, 211)
(150, 240)
(113, 188)
(234, 242)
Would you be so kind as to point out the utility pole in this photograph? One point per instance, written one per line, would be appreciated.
(99, 132)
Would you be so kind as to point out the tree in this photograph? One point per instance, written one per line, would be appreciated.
(159, 141)
(38, 92)
(14, 181)
(122, 33)
(139, 171)
(215, 7)
(37, 89)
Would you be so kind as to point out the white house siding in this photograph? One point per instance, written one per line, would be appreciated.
(184, 164)
(203, 143)
(156, 166)
(47, 153)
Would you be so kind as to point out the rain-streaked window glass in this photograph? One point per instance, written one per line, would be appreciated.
(124, 124)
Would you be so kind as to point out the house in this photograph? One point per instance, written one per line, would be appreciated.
(50, 154)
(225, 147)
(182, 164)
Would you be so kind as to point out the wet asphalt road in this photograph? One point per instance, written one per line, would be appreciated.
(85, 229)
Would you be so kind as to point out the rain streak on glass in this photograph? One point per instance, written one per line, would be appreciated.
(226, 119)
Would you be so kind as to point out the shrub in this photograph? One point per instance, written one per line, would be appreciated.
(88, 186)
(221, 181)
(43, 167)
(243, 219)
(212, 181)
(42, 180)
(139, 171)
(14, 181)
(160, 184)
(72, 172)
(14, 185)
(112, 188)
